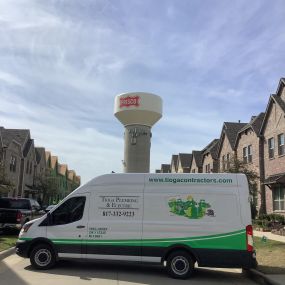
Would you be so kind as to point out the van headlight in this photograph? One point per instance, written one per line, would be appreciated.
(25, 228)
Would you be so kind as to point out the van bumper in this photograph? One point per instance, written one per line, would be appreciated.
(22, 248)
(227, 258)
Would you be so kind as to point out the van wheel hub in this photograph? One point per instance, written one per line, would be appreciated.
(180, 265)
(43, 257)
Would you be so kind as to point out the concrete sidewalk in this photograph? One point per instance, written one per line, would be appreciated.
(269, 236)
(273, 279)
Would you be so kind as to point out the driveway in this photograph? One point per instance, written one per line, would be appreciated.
(15, 270)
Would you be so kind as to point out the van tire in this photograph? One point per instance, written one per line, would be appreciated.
(180, 265)
(42, 257)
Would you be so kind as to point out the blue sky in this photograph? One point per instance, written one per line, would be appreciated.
(63, 62)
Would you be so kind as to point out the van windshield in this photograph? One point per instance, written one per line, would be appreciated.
(14, 203)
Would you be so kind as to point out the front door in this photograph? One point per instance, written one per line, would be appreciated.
(68, 226)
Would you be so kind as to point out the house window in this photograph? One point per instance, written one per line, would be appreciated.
(228, 160)
(271, 147)
(13, 163)
(281, 149)
(244, 151)
(193, 171)
(249, 153)
(278, 198)
(223, 162)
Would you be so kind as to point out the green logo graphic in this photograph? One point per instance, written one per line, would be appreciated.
(190, 208)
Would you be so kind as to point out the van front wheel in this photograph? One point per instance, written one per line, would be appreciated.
(180, 265)
(42, 257)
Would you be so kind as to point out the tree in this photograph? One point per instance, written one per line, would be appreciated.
(46, 187)
(5, 184)
(238, 166)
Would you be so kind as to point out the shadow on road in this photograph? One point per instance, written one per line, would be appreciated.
(145, 274)
(9, 276)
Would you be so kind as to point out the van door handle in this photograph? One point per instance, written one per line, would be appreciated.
(80, 227)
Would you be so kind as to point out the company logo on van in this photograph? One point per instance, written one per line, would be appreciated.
(189, 208)
(130, 101)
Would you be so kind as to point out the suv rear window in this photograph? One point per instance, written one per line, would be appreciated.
(15, 204)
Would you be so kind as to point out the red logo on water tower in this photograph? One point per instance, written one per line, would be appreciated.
(130, 101)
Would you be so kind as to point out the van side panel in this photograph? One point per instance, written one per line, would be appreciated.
(115, 223)
(203, 216)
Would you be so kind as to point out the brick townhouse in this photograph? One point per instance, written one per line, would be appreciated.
(210, 161)
(226, 148)
(196, 163)
(184, 162)
(272, 132)
(23, 164)
(18, 156)
(173, 163)
(249, 150)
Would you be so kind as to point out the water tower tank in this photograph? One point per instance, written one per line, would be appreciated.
(138, 112)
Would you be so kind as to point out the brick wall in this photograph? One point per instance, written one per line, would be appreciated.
(275, 125)
(208, 159)
(225, 149)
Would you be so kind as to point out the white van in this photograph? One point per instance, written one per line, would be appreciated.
(172, 219)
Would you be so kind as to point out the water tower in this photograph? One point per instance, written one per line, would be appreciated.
(138, 112)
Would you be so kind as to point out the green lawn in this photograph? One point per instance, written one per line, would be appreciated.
(7, 242)
(270, 256)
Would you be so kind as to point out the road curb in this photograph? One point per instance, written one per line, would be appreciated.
(260, 278)
(7, 252)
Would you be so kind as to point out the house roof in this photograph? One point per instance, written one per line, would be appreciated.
(230, 129)
(174, 160)
(27, 147)
(165, 168)
(18, 135)
(53, 161)
(276, 178)
(185, 159)
(78, 179)
(198, 157)
(62, 169)
(48, 155)
(40, 153)
(254, 124)
(274, 98)
(212, 148)
(71, 174)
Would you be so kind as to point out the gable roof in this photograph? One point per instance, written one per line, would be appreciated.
(185, 160)
(230, 129)
(198, 157)
(40, 153)
(254, 124)
(16, 135)
(174, 160)
(71, 174)
(54, 160)
(27, 147)
(211, 148)
(274, 98)
(165, 168)
(62, 169)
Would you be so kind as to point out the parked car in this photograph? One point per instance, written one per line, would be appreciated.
(15, 212)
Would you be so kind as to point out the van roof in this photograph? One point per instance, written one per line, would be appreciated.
(218, 179)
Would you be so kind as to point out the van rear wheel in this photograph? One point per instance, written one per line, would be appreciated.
(180, 265)
(42, 257)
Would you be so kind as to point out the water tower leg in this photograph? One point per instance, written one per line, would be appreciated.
(137, 148)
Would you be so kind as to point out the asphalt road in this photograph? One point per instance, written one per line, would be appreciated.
(15, 270)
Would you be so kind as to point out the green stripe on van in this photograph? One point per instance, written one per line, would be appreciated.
(233, 240)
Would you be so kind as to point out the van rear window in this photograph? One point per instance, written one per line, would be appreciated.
(14, 203)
